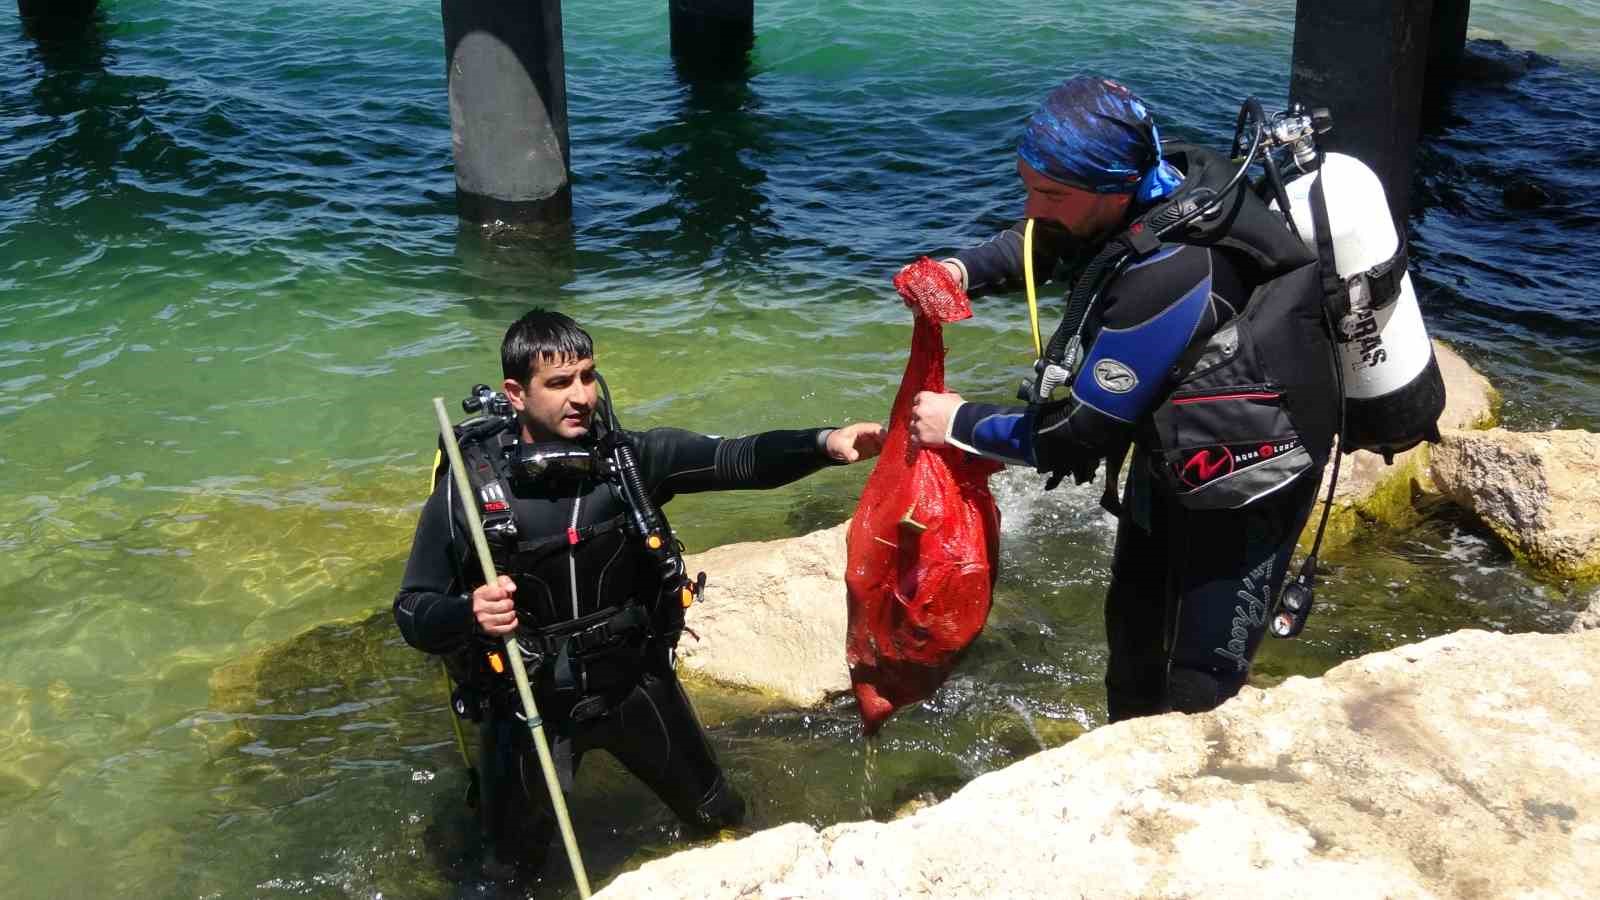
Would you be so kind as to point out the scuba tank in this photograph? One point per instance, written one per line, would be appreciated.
(1393, 391)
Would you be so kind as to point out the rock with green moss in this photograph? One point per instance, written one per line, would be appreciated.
(1372, 492)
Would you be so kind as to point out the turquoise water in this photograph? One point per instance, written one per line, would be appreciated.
(231, 278)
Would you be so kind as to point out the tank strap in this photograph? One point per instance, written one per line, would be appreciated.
(1379, 286)
(1334, 297)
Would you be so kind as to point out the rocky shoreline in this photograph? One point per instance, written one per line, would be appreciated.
(1461, 766)
(1467, 765)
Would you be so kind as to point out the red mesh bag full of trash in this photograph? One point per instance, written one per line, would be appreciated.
(924, 542)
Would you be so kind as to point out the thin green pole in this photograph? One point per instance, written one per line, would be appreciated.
(529, 708)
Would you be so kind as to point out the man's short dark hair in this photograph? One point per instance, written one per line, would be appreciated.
(542, 334)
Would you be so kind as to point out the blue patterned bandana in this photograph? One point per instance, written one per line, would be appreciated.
(1096, 135)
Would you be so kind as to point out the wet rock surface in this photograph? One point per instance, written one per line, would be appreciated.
(1461, 766)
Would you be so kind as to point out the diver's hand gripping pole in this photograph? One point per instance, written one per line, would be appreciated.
(558, 801)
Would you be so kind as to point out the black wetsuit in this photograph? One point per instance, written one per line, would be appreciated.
(1190, 590)
(614, 689)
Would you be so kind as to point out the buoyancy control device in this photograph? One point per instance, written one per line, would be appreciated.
(1386, 392)
(497, 459)
(1393, 389)
(1256, 406)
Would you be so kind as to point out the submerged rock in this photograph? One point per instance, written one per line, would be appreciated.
(1523, 192)
(1535, 490)
(1466, 765)
(1589, 618)
(774, 618)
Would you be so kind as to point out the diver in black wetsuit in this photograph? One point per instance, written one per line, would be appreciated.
(581, 591)
(1191, 590)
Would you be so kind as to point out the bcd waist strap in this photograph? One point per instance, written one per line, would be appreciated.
(595, 631)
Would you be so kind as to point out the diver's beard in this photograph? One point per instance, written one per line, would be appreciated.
(1073, 251)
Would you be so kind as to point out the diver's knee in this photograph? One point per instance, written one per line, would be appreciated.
(1201, 690)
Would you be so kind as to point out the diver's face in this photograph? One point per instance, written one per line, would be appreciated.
(1083, 213)
(557, 402)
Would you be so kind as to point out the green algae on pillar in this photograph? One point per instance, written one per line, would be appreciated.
(508, 111)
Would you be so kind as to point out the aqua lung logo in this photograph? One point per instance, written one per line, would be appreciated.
(1114, 377)
(1361, 328)
(1207, 464)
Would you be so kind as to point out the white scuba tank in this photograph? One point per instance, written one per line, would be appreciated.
(1392, 387)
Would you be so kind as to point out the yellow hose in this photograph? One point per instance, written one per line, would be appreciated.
(455, 720)
(1027, 280)
(449, 691)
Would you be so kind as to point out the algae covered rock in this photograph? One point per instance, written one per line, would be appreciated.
(1370, 489)
(1537, 491)
(774, 617)
(1461, 766)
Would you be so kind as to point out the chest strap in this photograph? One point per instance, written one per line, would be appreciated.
(534, 550)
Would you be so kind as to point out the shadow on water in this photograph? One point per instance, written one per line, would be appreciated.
(75, 53)
(707, 158)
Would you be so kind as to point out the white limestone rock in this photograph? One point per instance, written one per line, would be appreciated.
(1539, 491)
(774, 619)
(1467, 765)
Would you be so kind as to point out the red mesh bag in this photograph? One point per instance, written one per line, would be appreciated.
(924, 542)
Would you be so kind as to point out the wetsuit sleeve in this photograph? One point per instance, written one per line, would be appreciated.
(1150, 315)
(432, 612)
(674, 461)
(996, 264)
(999, 432)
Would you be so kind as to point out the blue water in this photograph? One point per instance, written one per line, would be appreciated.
(231, 277)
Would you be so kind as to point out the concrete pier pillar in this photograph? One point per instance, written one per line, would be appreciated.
(1365, 61)
(60, 9)
(508, 111)
(1447, 40)
(56, 17)
(712, 36)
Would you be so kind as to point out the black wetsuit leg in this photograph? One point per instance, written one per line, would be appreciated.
(655, 734)
(1189, 600)
(652, 730)
(513, 804)
(1136, 621)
